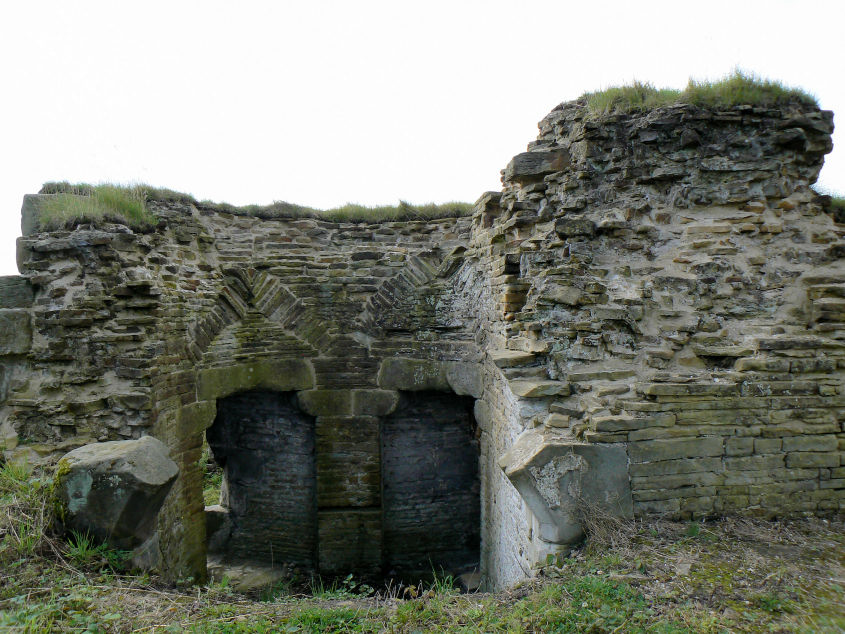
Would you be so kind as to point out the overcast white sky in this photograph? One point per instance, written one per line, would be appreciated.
(323, 103)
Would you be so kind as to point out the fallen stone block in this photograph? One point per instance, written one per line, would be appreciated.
(114, 490)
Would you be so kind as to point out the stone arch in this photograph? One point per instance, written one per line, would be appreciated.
(243, 289)
(242, 292)
(395, 296)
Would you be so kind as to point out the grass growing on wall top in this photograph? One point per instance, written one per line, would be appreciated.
(637, 96)
(128, 204)
(75, 203)
(737, 88)
(351, 212)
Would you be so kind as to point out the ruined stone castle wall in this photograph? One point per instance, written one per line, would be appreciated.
(677, 274)
(649, 317)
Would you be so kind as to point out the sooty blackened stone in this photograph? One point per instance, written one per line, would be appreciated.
(265, 445)
(430, 486)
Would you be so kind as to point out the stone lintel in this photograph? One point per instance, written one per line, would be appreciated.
(461, 377)
(283, 375)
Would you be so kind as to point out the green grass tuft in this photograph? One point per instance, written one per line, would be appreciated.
(74, 203)
(86, 552)
(738, 88)
(403, 211)
(25, 513)
(638, 96)
(744, 88)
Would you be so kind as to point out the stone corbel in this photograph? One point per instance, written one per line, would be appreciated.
(561, 479)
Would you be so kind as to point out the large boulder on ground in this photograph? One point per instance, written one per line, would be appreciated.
(114, 490)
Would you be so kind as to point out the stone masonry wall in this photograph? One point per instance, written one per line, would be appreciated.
(675, 272)
(649, 317)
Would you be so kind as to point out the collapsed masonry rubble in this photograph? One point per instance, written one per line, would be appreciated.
(649, 318)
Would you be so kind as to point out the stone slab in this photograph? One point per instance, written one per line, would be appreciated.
(15, 331)
(283, 375)
(561, 480)
(15, 292)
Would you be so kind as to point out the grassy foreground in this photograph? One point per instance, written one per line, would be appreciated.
(729, 575)
(128, 204)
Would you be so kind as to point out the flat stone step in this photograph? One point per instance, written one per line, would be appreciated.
(527, 388)
(511, 358)
(607, 374)
(536, 373)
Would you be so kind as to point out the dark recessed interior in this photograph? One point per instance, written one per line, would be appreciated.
(265, 446)
(430, 486)
(428, 521)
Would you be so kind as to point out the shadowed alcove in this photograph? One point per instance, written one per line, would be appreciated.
(265, 446)
(430, 486)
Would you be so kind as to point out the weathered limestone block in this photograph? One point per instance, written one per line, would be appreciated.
(511, 358)
(283, 375)
(195, 417)
(15, 331)
(676, 448)
(465, 379)
(30, 214)
(415, 375)
(15, 292)
(374, 402)
(561, 480)
(528, 388)
(326, 402)
(530, 166)
(114, 490)
(570, 227)
(218, 528)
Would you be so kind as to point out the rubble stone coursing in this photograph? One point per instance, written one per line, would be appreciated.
(650, 317)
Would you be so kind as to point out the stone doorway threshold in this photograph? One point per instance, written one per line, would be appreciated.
(244, 577)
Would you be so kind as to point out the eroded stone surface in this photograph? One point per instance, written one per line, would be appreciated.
(114, 490)
(662, 284)
(563, 480)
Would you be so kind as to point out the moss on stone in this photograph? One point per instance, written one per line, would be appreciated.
(282, 375)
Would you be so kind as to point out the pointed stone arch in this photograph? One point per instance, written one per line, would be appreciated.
(394, 306)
